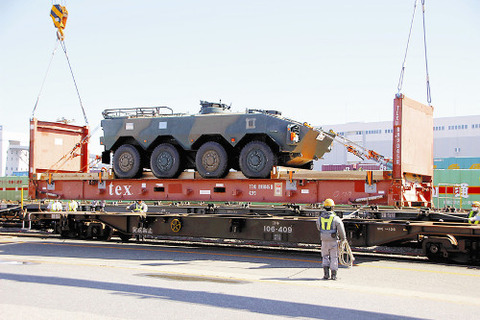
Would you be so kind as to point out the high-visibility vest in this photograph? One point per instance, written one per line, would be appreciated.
(326, 223)
(471, 215)
(57, 206)
(72, 206)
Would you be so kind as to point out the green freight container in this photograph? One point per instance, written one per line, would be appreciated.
(11, 188)
(457, 163)
(456, 187)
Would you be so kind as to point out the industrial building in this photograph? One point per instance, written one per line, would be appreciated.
(456, 142)
(14, 153)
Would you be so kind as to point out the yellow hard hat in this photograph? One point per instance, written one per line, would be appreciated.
(328, 203)
(476, 204)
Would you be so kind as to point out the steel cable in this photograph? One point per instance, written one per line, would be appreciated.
(429, 98)
(45, 78)
(402, 72)
(75, 82)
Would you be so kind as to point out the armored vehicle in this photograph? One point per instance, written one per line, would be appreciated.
(212, 141)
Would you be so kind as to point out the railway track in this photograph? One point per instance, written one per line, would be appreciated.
(380, 252)
(384, 232)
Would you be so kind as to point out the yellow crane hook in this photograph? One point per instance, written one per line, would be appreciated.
(59, 15)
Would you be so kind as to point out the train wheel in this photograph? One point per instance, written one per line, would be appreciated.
(165, 161)
(106, 234)
(127, 162)
(434, 252)
(124, 237)
(176, 225)
(212, 160)
(257, 160)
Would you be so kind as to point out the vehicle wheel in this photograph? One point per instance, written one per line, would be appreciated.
(165, 161)
(257, 160)
(212, 160)
(308, 166)
(127, 162)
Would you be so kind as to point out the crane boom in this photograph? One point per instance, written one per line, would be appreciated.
(360, 151)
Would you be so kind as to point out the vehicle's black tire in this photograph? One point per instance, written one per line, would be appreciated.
(127, 162)
(257, 160)
(212, 160)
(165, 161)
(308, 166)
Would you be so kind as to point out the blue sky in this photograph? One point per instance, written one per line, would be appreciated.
(324, 62)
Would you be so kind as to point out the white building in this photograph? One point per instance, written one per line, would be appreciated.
(13, 157)
(17, 159)
(454, 137)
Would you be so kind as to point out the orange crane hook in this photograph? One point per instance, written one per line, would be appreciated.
(59, 16)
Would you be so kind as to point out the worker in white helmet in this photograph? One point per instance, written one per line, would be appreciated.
(331, 230)
(55, 206)
(474, 214)
(72, 205)
(138, 206)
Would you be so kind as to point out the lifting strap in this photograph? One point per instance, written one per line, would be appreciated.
(59, 15)
(400, 80)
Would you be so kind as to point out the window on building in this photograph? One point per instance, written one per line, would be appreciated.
(457, 150)
(458, 127)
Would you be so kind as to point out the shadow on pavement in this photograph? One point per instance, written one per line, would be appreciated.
(228, 301)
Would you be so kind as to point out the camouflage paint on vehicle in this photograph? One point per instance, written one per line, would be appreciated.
(215, 132)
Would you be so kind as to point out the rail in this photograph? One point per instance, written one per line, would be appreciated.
(136, 112)
(451, 196)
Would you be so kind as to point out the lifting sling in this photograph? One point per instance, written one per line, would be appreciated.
(59, 15)
(402, 72)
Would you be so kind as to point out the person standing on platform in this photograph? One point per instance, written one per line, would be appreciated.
(474, 214)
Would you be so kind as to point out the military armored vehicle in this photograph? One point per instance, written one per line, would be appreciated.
(213, 141)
